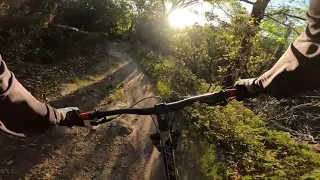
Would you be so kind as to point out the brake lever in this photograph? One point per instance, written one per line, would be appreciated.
(221, 100)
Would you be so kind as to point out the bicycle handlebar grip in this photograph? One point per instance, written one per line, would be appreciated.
(86, 116)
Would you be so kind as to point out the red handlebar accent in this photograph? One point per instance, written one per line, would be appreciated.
(233, 92)
(85, 116)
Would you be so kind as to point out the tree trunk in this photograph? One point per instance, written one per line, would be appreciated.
(256, 16)
(258, 9)
(278, 51)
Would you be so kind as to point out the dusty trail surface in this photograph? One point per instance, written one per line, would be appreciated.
(117, 150)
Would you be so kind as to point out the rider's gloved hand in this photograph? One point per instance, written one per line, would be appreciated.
(247, 88)
(71, 117)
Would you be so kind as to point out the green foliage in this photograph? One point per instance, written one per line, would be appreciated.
(163, 89)
(314, 175)
(239, 141)
(167, 73)
(236, 141)
(110, 17)
(211, 166)
(50, 31)
(208, 51)
(55, 44)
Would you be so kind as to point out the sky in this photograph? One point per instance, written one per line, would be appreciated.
(187, 17)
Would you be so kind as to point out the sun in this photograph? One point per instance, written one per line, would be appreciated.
(182, 18)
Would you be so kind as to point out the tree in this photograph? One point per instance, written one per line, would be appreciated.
(260, 13)
(24, 20)
(177, 4)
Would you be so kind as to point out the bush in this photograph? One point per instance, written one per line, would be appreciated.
(109, 17)
(238, 141)
(314, 175)
(56, 43)
(167, 73)
(163, 89)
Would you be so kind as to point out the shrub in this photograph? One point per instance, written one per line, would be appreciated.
(237, 143)
(163, 89)
(238, 140)
(167, 73)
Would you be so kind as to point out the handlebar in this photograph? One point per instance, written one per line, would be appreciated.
(217, 98)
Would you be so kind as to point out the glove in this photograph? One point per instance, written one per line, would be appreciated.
(247, 88)
(71, 117)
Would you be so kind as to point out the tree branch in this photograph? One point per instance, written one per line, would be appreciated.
(181, 4)
(281, 11)
(311, 97)
(224, 10)
(189, 4)
(285, 12)
(247, 1)
(293, 16)
(282, 23)
(305, 137)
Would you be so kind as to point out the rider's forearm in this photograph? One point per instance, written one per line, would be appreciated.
(298, 69)
(20, 111)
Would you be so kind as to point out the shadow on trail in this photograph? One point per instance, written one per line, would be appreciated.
(27, 153)
(107, 156)
(88, 97)
(95, 162)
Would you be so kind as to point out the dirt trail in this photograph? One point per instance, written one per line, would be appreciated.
(135, 154)
(117, 150)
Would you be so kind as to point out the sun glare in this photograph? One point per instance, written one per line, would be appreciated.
(182, 18)
(190, 15)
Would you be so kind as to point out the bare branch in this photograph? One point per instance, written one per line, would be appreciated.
(311, 97)
(305, 137)
(302, 106)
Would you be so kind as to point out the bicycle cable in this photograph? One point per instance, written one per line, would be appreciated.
(154, 121)
(107, 120)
